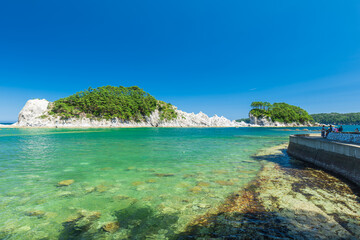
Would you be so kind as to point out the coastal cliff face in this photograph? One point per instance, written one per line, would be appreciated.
(32, 111)
(267, 122)
(260, 121)
(36, 114)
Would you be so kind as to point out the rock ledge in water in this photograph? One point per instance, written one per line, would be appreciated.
(111, 227)
(66, 182)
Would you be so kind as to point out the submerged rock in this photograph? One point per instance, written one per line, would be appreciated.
(91, 215)
(183, 185)
(203, 184)
(111, 227)
(120, 197)
(203, 205)
(189, 175)
(35, 213)
(64, 194)
(151, 181)
(147, 199)
(126, 199)
(79, 226)
(164, 174)
(224, 183)
(220, 171)
(90, 189)
(101, 188)
(106, 168)
(196, 189)
(24, 229)
(137, 183)
(65, 182)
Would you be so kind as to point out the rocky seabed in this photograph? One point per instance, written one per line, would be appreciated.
(284, 203)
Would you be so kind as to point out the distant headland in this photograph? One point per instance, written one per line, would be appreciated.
(278, 115)
(337, 118)
(111, 106)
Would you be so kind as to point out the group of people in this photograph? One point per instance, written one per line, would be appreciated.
(325, 132)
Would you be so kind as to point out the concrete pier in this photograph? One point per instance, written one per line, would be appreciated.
(338, 157)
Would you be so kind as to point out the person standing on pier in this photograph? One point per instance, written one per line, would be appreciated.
(323, 130)
(340, 129)
(330, 129)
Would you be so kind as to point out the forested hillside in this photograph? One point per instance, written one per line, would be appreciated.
(280, 112)
(128, 103)
(337, 118)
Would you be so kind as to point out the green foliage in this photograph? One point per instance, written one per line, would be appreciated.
(280, 112)
(127, 103)
(261, 105)
(261, 109)
(337, 118)
(246, 120)
(167, 111)
(283, 112)
(260, 113)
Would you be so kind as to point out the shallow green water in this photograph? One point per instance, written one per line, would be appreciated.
(120, 174)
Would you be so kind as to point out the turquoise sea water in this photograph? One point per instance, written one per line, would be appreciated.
(151, 181)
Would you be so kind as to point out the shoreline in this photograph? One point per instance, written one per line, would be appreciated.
(337, 155)
(92, 127)
(284, 202)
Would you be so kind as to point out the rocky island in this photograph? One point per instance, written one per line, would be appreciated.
(111, 106)
(278, 115)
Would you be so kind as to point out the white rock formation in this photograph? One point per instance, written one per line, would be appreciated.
(260, 121)
(32, 111)
(267, 122)
(35, 114)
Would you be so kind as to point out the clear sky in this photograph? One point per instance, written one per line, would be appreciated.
(203, 55)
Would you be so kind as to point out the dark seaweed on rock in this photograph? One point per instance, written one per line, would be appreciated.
(283, 203)
(143, 221)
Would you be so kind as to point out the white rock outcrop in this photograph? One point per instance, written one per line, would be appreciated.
(32, 111)
(35, 114)
(267, 122)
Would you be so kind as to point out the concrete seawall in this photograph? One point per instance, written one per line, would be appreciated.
(338, 157)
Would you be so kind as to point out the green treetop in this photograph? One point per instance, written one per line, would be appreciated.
(280, 112)
(127, 103)
(337, 118)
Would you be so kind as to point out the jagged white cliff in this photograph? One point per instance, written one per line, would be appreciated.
(35, 114)
(267, 122)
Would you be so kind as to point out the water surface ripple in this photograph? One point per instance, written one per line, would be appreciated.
(128, 183)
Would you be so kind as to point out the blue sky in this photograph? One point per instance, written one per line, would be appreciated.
(210, 56)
